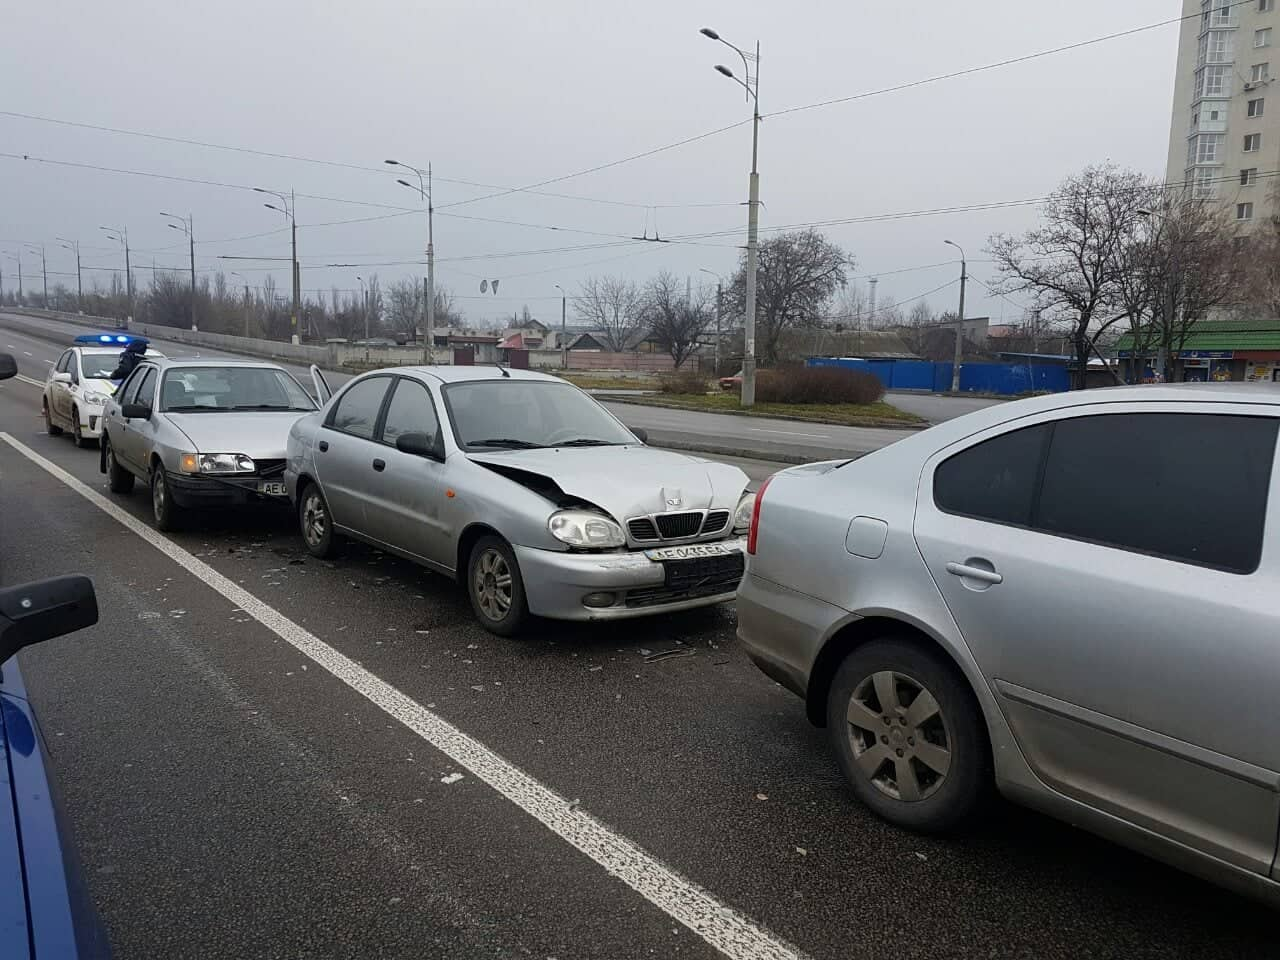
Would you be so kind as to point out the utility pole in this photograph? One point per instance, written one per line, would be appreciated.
(297, 277)
(718, 292)
(191, 236)
(564, 334)
(75, 245)
(964, 277)
(431, 270)
(871, 305)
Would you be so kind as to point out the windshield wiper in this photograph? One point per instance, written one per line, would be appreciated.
(266, 406)
(506, 442)
(589, 442)
(191, 406)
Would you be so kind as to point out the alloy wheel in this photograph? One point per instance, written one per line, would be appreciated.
(901, 739)
(314, 519)
(158, 497)
(493, 584)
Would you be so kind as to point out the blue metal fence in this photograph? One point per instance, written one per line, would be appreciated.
(1007, 379)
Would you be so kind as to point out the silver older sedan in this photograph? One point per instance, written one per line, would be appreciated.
(524, 488)
(201, 433)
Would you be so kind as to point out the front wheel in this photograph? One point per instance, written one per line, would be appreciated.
(316, 523)
(49, 427)
(163, 508)
(119, 480)
(908, 735)
(496, 588)
(76, 433)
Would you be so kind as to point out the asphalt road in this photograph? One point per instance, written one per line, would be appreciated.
(271, 772)
(756, 437)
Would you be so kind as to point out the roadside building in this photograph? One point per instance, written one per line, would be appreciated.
(1243, 351)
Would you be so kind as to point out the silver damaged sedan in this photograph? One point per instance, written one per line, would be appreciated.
(522, 487)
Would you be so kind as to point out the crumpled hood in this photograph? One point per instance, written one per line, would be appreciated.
(629, 481)
(259, 435)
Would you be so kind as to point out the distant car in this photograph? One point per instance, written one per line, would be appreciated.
(732, 383)
(201, 433)
(523, 488)
(79, 385)
(1074, 597)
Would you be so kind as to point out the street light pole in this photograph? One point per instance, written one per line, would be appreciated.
(964, 277)
(44, 271)
(246, 300)
(719, 294)
(364, 309)
(122, 236)
(288, 206)
(564, 335)
(752, 87)
(188, 227)
(75, 245)
(424, 192)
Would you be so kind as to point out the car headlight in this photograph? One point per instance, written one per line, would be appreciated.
(91, 396)
(583, 528)
(217, 463)
(742, 516)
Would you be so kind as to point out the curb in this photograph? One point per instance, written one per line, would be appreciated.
(870, 423)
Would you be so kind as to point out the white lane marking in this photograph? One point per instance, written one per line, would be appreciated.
(49, 362)
(35, 383)
(792, 433)
(730, 932)
(10, 346)
(26, 353)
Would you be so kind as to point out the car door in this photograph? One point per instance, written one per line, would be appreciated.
(59, 394)
(1110, 574)
(346, 449)
(136, 436)
(404, 493)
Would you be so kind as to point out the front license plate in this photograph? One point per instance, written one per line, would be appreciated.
(692, 551)
(273, 489)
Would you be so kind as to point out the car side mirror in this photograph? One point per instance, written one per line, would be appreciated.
(62, 377)
(640, 433)
(136, 411)
(418, 444)
(8, 366)
(33, 612)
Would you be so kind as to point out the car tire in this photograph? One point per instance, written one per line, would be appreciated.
(163, 510)
(50, 427)
(922, 764)
(119, 480)
(76, 435)
(316, 522)
(496, 588)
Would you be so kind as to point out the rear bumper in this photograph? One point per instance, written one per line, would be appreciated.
(196, 492)
(556, 584)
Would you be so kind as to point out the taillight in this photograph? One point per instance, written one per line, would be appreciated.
(754, 531)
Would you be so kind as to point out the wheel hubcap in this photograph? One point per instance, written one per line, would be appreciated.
(901, 740)
(493, 585)
(157, 496)
(313, 520)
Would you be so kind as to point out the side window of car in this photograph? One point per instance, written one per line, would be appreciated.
(145, 394)
(73, 367)
(129, 389)
(62, 362)
(356, 411)
(410, 411)
(994, 480)
(1190, 487)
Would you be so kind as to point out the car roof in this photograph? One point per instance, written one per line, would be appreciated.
(461, 374)
(116, 351)
(169, 363)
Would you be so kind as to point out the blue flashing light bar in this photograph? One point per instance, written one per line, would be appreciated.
(109, 339)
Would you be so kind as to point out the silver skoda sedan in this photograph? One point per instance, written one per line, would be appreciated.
(524, 488)
(1075, 598)
(201, 433)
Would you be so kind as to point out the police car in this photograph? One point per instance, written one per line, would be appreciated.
(79, 384)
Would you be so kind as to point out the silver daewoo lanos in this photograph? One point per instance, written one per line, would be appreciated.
(1075, 598)
(521, 486)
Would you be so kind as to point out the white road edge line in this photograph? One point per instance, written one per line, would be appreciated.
(23, 378)
(723, 928)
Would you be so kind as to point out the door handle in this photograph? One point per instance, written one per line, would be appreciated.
(323, 445)
(379, 465)
(968, 572)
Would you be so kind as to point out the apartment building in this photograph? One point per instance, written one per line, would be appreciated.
(1225, 136)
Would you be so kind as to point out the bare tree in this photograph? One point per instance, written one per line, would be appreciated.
(675, 320)
(798, 275)
(402, 306)
(852, 308)
(1071, 263)
(612, 306)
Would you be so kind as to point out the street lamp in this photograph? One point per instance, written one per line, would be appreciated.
(1159, 220)
(719, 286)
(289, 208)
(75, 245)
(964, 277)
(245, 280)
(424, 193)
(121, 235)
(364, 309)
(752, 87)
(188, 228)
(564, 336)
(17, 258)
(44, 271)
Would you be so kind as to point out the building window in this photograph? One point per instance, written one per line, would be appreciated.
(1214, 81)
(1262, 38)
(1248, 177)
(1260, 72)
(1202, 183)
(1252, 142)
(1244, 211)
(1219, 46)
(1205, 148)
(1256, 107)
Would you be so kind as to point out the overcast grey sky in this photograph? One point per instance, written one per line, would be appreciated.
(513, 93)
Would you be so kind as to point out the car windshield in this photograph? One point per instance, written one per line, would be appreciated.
(99, 366)
(524, 414)
(193, 389)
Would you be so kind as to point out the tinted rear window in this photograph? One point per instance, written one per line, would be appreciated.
(995, 480)
(1189, 487)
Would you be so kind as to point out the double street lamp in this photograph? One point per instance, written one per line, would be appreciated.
(289, 208)
(752, 87)
(424, 193)
(188, 228)
(121, 235)
(75, 245)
